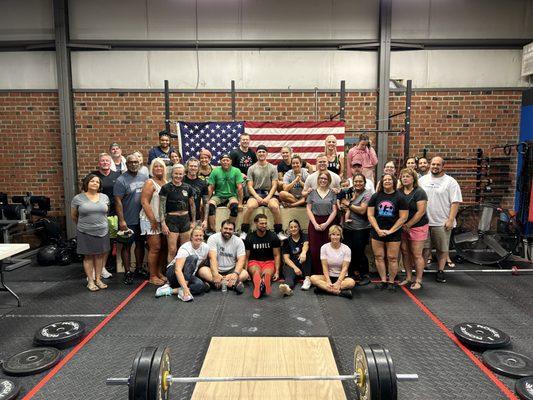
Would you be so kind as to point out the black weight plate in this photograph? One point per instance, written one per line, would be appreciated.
(59, 334)
(157, 388)
(481, 336)
(133, 374)
(32, 361)
(394, 382)
(385, 384)
(524, 388)
(508, 363)
(8, 389)
(142, 375)
(365, 363)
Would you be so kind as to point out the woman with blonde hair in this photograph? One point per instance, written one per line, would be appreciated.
(205, 169)
(335, 257)
(149, 218)
(335, 160)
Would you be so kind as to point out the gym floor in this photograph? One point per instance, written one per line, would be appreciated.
(415, 326)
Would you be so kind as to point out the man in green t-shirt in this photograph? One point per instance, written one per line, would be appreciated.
(225, 188)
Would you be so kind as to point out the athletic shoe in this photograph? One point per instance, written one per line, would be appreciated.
(346, 293)
(257, 285)
(262, 288)
(239, 288)
(285, 289)
(243, 235)
(381, 285)
(207, 287)
(365, 280)
(391, 287)
(164, 290)
(128, 278)
(282, 236)
(307, 283)
(106, 274)
(182, 297)
(268, 284)
(141, 273)
(439, 277)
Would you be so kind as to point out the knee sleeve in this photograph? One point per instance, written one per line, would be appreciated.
(233, 210)
(212, 209)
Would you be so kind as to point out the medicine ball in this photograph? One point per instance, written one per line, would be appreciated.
(63, 256)
(47, 255)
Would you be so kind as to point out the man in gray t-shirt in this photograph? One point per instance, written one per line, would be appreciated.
(127, 192)
(262, 185)
(312, 181)
(227, 256)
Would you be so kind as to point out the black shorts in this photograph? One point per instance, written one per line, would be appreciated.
(178, 223)
(393, 237)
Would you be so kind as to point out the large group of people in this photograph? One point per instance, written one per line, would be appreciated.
(170, 209)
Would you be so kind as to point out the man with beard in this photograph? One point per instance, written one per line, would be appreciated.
(163, 150)
(263, 256)
(311, 182)
(200, 191)
(226, 259)
(127, 193)
(423, 166)
(444, 198)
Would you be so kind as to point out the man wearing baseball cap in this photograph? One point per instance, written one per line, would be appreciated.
(357, 168)
(262, 183)
(225, 188)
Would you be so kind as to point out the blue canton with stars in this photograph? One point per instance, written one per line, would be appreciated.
(217, 137)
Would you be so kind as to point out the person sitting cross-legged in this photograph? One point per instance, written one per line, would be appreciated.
(296, 260)
(227, 256)
(263, 256)
(186, 269)
(335, 257)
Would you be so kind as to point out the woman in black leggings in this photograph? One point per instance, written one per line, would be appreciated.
(296, 260)
(357, 228)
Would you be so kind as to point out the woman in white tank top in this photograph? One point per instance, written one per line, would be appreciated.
(150, 222)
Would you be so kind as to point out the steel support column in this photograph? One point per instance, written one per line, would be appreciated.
(66, 108)
(385, 15)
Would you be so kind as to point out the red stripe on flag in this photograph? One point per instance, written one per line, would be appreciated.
(315, 124)
(294, 136)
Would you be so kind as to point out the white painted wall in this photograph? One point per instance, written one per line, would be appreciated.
(28, 70)
(26, 20)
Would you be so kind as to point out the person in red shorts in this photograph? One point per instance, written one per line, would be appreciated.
(263, 256)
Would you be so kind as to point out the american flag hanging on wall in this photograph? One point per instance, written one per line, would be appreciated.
(305, 138)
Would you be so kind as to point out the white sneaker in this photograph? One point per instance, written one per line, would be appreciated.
(307, 283)
(243, 235)
(106, 274)
(285, 289)
(282, 236)
(182, 297)
(164, 290)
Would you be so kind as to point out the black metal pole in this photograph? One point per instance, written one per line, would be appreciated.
(342, 103)
(167, 107)
(407, 127)
(233, 105)
(479, 171)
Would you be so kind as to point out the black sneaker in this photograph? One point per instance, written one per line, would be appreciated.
(381, 285)
(365, 280)
(439, 277)
(128, 278)
(239, 288)
(207, 287)
(391, 287)
(141, 273)
(346, 293)
(262, 289)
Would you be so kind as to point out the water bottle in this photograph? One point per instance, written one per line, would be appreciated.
(224, 287)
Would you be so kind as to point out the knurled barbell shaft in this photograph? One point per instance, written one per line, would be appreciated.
(197, 379)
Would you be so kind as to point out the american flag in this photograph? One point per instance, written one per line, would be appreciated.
(305, 138)
(217, 137)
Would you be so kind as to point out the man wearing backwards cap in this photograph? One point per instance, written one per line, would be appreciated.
(262, 184)
(225, 187)
(163, 150)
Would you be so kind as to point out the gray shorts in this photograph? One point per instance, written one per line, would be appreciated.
(439, 239)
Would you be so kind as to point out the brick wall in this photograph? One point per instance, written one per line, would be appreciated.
(451, 123)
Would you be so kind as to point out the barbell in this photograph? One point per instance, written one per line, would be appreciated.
(151, 378)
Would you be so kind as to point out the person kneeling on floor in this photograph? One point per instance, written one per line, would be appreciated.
(263, 256)
(227, 256)
(183, 270)
(335, 257)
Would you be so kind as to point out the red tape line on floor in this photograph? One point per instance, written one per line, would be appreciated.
(505, 390)
(81, 344)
